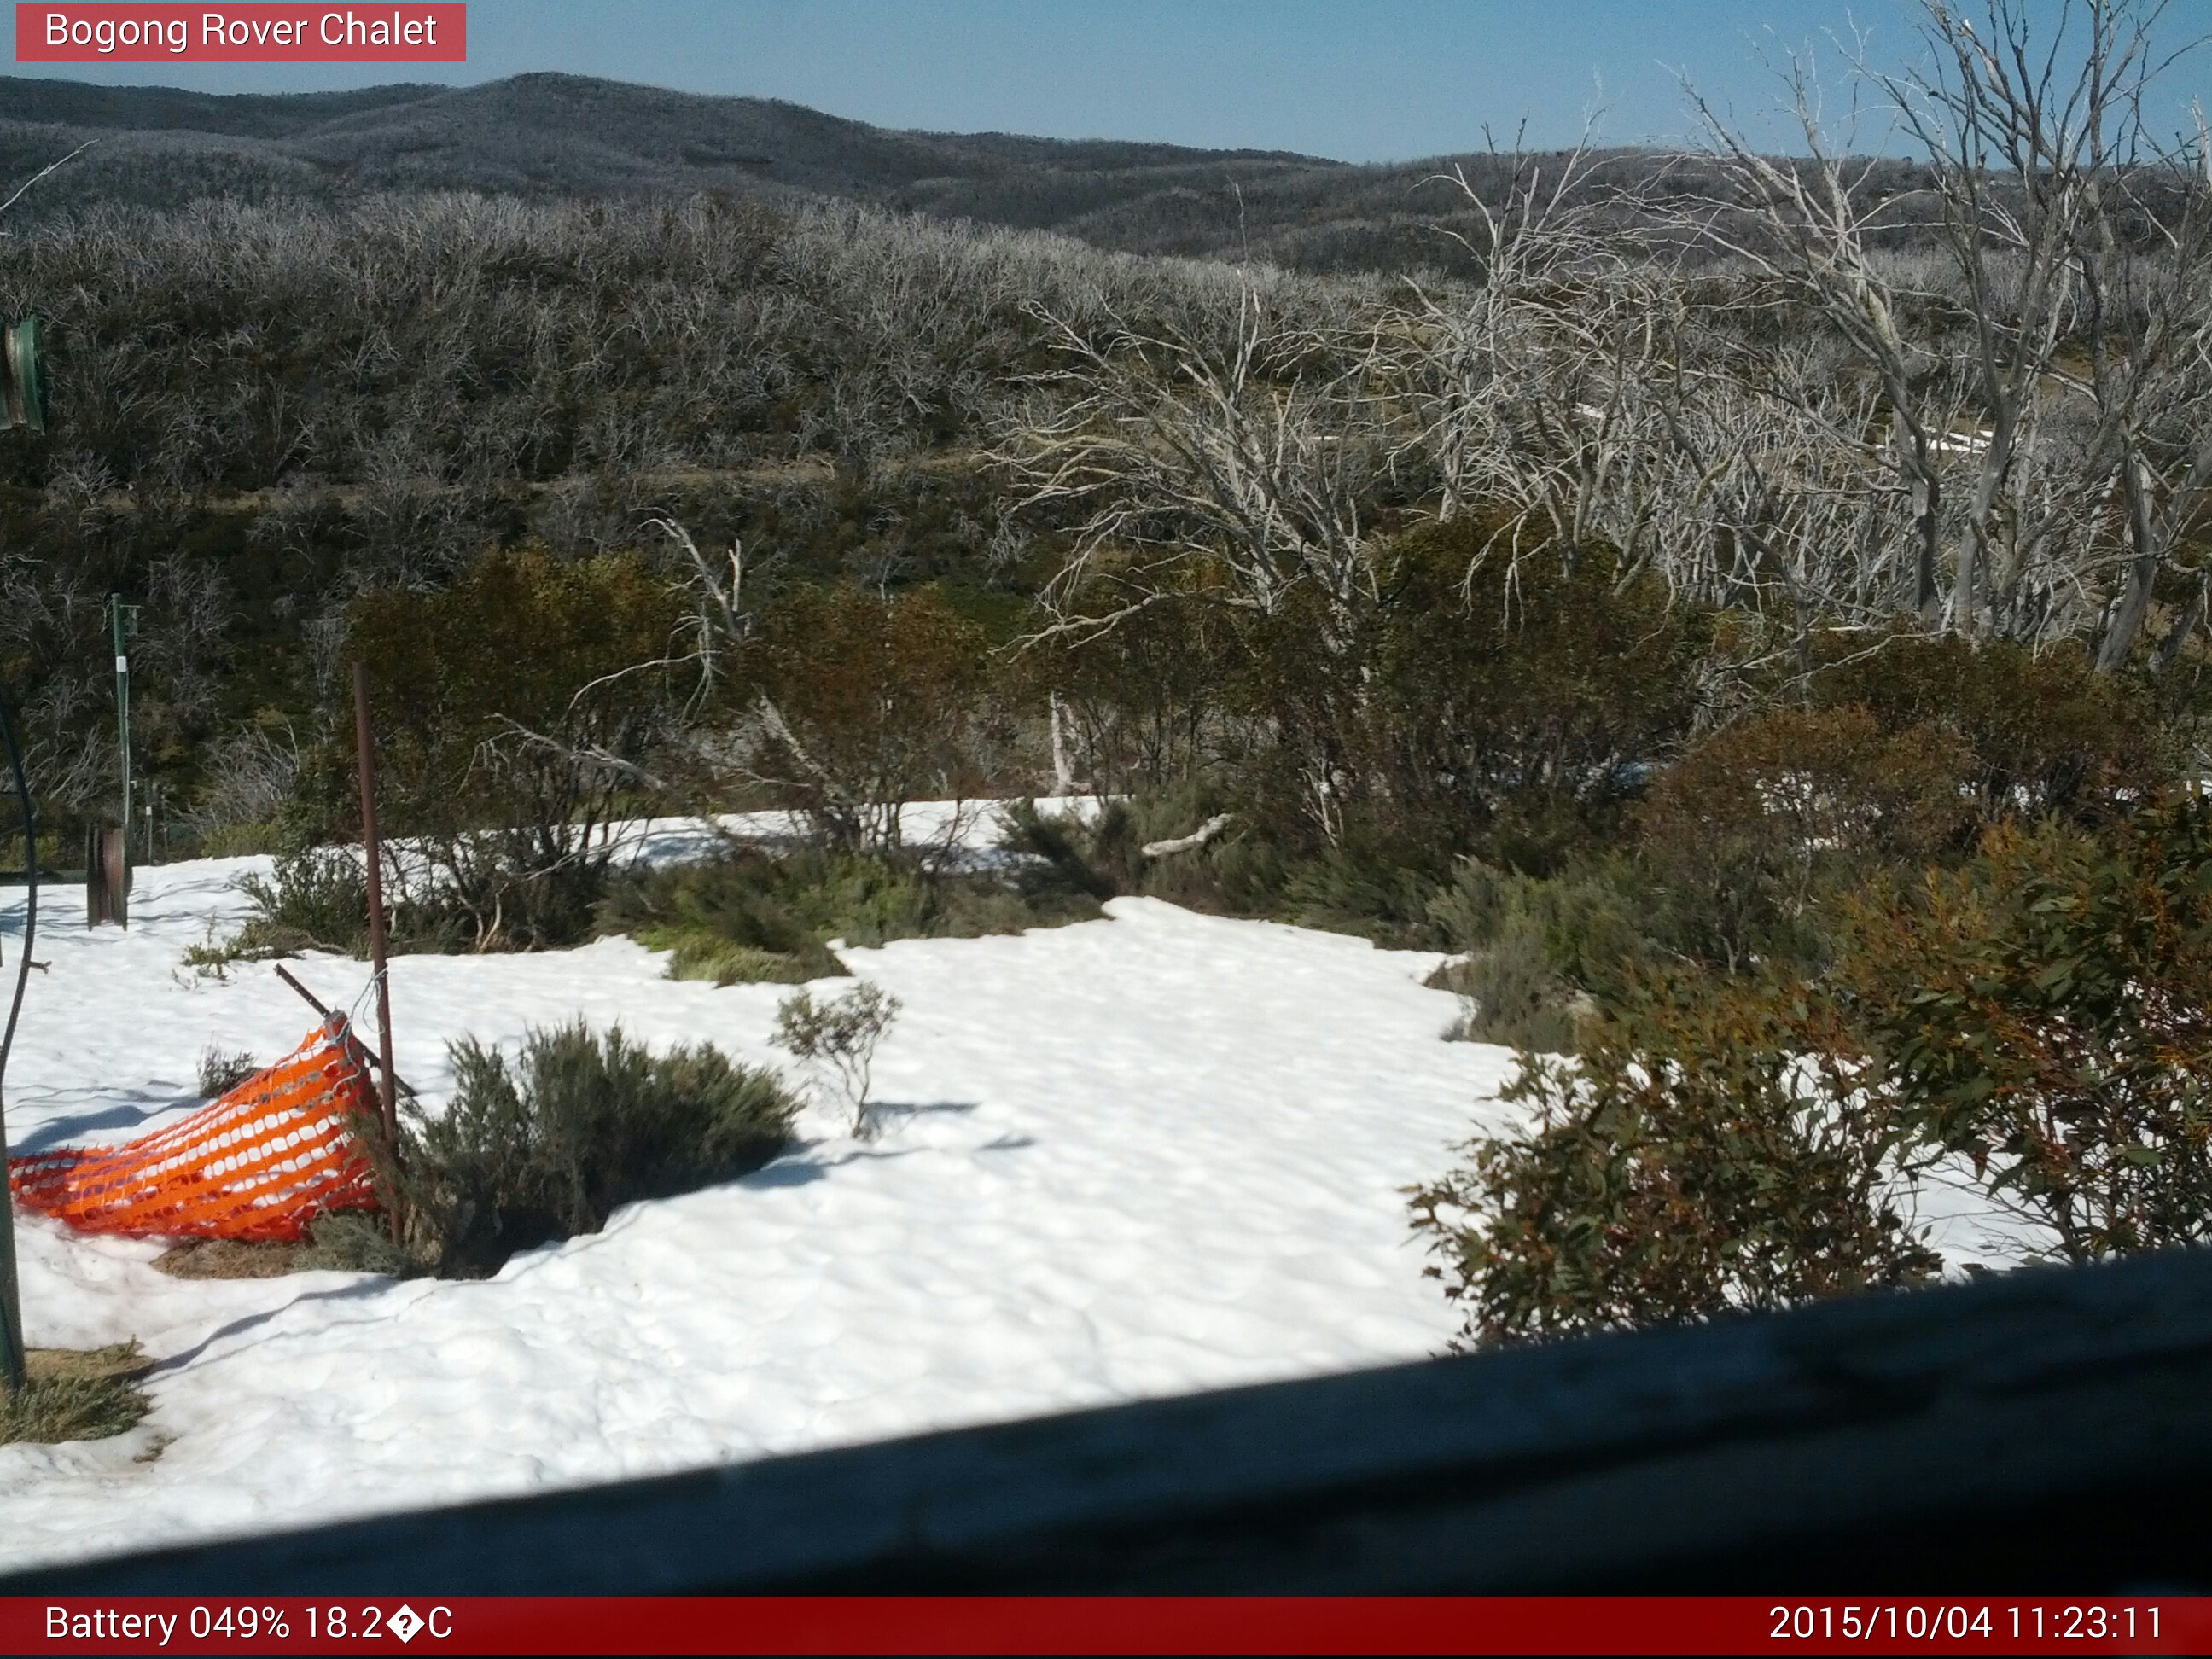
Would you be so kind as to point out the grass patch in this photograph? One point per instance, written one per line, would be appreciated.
(696, 951)
(221, 1070)
(750, 917)
(351, 1241)
(71, 1393)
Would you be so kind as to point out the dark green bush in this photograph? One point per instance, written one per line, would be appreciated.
(318, 900)
(2043, 1011)
(223, 1070)
(875, 699)
(516, 712)
(2042, 731)
(547, 1146)
(1538, 953)
(313, 900)
(354, 1241)
(1378, 893)
(1241, 871)
(1511, 717)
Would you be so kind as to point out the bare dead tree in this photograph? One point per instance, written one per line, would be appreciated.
(1239, 466)
(1528, 385)
(2014, 393)
(50, 168)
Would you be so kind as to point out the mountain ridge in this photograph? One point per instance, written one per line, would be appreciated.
(549, 134)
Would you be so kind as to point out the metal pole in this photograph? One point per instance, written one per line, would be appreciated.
(11, 1304)
(117, 623)
(373, 851)
(325, 1010)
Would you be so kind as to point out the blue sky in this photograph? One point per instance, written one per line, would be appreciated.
(1359, 80)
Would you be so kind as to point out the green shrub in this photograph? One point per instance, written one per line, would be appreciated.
(1537, 954)
(1240, 871)
(547, 1146)
(875, 696)
(354, 1241)
(755, 915)
(1507, 716)
(694, 953)
(318, 900)
(313, 900)
(1377, 888)
(1351, 888)
(232, 841)
(1749, 836)
(516, 712)
(2047, 1011)
(222, 1071)
(1711, 1151)
(2042, 731)
(1060, 841)
(1514, 995)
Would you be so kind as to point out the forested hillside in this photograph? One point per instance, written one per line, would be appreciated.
(568, 136)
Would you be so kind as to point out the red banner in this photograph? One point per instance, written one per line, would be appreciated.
(78, 32)
(1090, 1625)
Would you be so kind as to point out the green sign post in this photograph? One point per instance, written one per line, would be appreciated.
(24, 348)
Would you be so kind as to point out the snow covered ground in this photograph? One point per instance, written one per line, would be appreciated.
(1142, 1156)
(1134, 1156)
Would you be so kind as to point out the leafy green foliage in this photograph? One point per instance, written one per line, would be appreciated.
(2048, 1011)
(548, 1146)
(354, 1241)
(315, 900)
(318, 900)
(1537, 953)
(2041, 731)
(516, 712)
(223, 1070)
(2043, 1010)
(1711, 1151)
(1519, 711)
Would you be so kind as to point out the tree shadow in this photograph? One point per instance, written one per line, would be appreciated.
(132, 1112)
(799, 1170)
(372, 1285)
(885, 1113)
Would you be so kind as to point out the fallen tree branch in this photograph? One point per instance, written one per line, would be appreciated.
(1205, 833)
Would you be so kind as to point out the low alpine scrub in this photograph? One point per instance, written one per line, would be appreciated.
(548, 1144)
(753, 914)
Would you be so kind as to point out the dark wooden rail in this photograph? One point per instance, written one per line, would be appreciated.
(2046, 1431)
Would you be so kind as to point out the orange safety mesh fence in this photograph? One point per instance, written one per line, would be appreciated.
(259, 1163)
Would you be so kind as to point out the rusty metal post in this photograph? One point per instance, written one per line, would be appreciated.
(373, 851)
